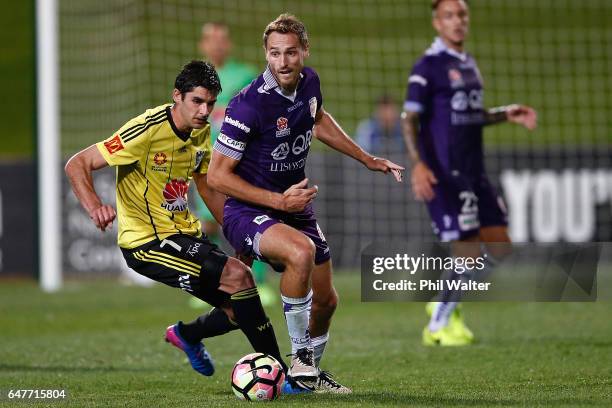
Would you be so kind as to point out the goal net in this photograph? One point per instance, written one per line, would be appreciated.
(119, 57)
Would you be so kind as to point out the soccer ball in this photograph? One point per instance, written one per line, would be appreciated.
(257, 377)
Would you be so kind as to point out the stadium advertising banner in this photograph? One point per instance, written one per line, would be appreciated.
(552, 206)
(17, 219)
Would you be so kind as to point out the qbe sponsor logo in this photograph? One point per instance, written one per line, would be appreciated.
(302, 143)
(461, 100)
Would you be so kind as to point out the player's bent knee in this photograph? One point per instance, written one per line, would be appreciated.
(326, 305)
(236, 276)
(227, 308)
(303, 255)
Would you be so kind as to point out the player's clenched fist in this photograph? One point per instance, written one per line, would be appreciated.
(103, 216)
(522, 115)
(298, 196)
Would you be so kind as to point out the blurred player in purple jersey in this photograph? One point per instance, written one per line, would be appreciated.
(442, 121)
(258, 161)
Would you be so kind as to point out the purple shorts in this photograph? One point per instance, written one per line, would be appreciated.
(244, 225)
(462, 206)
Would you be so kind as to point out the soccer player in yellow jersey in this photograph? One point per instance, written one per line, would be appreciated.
(156, 155)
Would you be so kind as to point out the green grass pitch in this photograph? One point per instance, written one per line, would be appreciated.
(102, 342)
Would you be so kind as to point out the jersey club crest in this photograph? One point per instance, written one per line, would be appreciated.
(312, 103)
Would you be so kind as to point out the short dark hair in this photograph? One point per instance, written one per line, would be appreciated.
(198, 73)
(284, 24)
(436, 3)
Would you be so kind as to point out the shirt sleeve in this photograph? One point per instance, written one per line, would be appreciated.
(237, 128)
(418, 90)
(128, 145)
(319, 95)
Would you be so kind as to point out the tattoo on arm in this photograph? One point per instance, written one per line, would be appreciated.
(410, 127)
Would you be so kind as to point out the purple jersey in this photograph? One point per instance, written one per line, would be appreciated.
(269, 132)
(446, 88)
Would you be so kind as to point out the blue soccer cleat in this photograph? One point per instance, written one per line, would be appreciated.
(291, 386)
(196, 353)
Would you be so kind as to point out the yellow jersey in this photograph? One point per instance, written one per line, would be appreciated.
(155, 162)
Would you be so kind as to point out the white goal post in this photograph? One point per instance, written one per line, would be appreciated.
(48, 146)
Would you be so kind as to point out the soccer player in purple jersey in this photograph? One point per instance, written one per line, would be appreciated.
(443, 120)
(258, 161)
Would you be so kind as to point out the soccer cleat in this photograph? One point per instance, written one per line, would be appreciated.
(291, 386)
(456, 324)
(443, 337)
(327, 384)
(196, 353)
(430, 307)
(303, 366)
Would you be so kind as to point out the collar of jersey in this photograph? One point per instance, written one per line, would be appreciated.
(181, 135)
(271, 84)
(439, 46)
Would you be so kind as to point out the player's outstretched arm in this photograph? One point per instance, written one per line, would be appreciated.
(329, 132)
(523, 115)
(213, 199)
(222, 178)
(422, 178)
(79, 170)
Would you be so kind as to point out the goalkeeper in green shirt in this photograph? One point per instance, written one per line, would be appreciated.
(215, 46)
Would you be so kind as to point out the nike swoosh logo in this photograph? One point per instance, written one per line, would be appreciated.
(267, 367)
